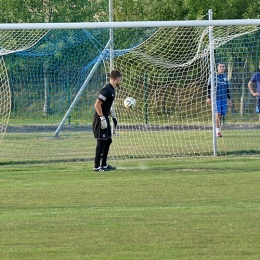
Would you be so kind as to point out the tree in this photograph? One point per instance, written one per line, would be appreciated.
(14, 11)
(40, 11)
(162, 10)
(222, 9)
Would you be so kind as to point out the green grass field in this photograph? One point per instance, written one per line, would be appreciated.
(146, 209)
(42, 147)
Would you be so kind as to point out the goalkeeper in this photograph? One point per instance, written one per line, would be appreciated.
(223, 99)
(101, 125)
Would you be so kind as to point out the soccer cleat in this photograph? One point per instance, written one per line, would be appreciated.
(108, 167)
(100, 169)
(219, 134)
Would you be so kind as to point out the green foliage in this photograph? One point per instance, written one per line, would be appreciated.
(253, 10)
(163, 10)
(14, 11)
(148, 10)
(53, 11)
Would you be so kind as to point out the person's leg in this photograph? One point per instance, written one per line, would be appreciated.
(218, 120)
(218, 116)
(105, 152)
(222, 107)
(101, 144)
(218, 124)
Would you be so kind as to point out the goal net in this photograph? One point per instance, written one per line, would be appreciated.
(165, 69)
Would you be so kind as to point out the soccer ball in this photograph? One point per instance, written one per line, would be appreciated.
(129, 102)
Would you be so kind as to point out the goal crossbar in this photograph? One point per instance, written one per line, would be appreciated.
(95, 25)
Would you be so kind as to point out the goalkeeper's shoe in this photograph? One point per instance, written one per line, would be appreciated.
(108, 167)
(219, 134)
(100, 169)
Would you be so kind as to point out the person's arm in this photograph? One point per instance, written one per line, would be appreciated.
(229, 97)
(228, 92)
(250, 86)
(112, 111)
(113, 115)
(98, 107)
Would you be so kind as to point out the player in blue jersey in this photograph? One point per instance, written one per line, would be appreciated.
(101, 124)
(223, 99)
(255, 80)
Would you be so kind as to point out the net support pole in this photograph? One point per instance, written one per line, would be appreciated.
(99, 59)
(213, 85)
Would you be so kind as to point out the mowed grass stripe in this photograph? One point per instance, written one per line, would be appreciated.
(148, 209)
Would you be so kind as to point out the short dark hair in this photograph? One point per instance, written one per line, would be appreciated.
(219, 63)
(114, 74)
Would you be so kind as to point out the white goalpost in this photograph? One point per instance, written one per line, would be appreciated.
(213, 93)
(166, 66)
(143, 24)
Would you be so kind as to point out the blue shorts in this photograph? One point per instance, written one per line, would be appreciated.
(257, 109)
(221, 107)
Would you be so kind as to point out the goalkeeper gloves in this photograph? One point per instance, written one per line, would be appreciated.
(103, 122)
(114, 121)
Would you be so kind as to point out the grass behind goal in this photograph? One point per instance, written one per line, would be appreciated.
(143, 210)
(43, 147)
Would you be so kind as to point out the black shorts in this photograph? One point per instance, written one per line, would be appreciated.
(102, 134)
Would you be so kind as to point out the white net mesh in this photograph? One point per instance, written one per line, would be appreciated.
(168, 76)
(5, 99)
(12, 41)
(19, 40)
(165, 69)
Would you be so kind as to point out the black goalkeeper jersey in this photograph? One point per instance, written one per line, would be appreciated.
(107, 96)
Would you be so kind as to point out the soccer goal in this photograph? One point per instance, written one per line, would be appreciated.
(51, 75)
